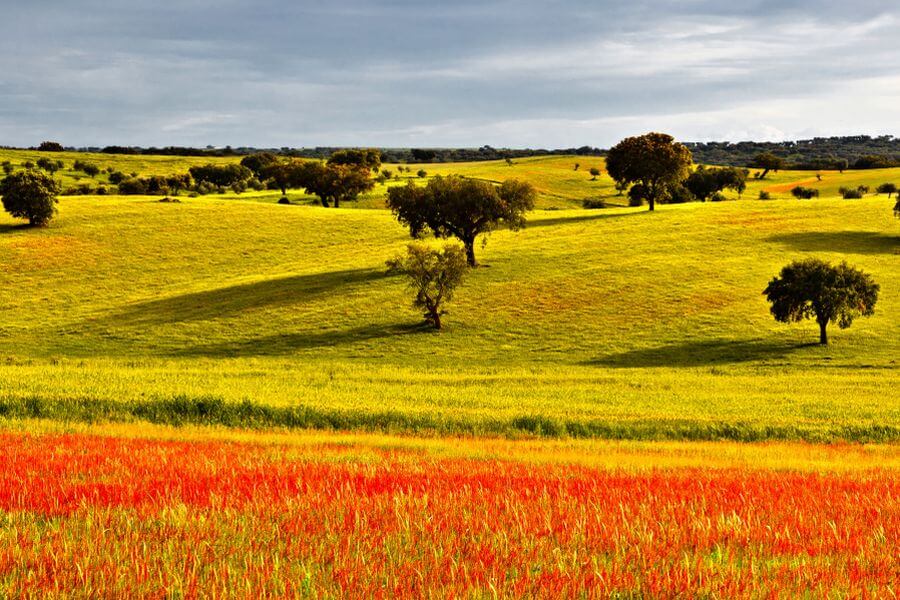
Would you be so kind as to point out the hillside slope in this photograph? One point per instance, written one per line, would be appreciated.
(617, 322)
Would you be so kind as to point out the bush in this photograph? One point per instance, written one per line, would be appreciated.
(679, 194)
(852, 193)
(51, 147)
(764, 195)
(593, 203)
(422, 173)
(8, 167)
(595, 173)
(133, 187)
(284, 200)
(116, 177)
(718, 197)
(30, 195)
(804, 193)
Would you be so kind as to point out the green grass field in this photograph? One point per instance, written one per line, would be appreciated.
(610, 323)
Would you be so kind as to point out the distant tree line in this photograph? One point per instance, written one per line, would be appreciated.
(821, 153)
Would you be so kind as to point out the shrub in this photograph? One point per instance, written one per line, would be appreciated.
(284, 200)
(8, 167)
(51, 166)
(30, 195)
(679, 194)
(116, 177)
(422, 173)
(593, 203)
(50, 147)
(887, 188)
(764, 195)
(595, 173)
(804, 193)
(851, 193)
(133, 187)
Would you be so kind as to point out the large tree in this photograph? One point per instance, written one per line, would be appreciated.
(655, 161)
(455, 206)
(221, 175)
(812, 288)
(767, 162)
(30, 195)
(361, 158)
(335, 183)
(433, 276)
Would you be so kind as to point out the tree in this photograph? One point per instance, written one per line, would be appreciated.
(653, 160)
(51, 166)
(361, 158)
(285, 174)
(221, 175)
(90, 169)
(812, 288)
(30, 195)
(887, 188)
(335, 183)
(51, 147)
(8, 167)
(595, 173)
(257, 163)
(704, 182)
(422, 173)
(433, 276)
(767, 162)
(176, 183)
(461, 208)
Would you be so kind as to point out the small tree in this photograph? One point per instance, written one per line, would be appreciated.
(90, 169)
(258, 162)
(767, 162)
(804, 193)
(285, 174)
(812, 288)
(335, 183)
(30, 195)
(51, 166)
(51, 147)
(887, 188)
(577, 165)
(422, 173)
(595, 173)
(433, 276)
(655, 161)
(704, 183)
(455, 206)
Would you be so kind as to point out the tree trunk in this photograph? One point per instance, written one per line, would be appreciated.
(470, 252)
(652, 203)
(324, 202)
(765, 172)
(436, 319)
(823, 333)
(337, 202)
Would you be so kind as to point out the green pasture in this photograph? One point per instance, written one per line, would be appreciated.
(612, 323)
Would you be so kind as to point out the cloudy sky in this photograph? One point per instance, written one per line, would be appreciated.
(538, 73)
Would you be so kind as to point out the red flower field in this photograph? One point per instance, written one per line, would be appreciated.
(116, 516)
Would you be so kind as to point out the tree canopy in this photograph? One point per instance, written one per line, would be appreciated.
(654, 161)
(705, 182)
(454, 206)
(361, 158)
(30, 195)
(812, 288)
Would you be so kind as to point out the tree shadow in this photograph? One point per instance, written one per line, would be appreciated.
(699, 354)
(579, 219)
(287, 343)
(851, 242)
(9, 227)
(234, 299)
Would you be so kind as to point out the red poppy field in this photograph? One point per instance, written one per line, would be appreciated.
(323, 515)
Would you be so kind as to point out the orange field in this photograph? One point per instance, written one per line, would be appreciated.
(350, 516)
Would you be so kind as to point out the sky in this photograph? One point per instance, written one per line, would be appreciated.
(454, 73)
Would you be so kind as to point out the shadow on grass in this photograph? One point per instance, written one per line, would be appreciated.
(580, 219)
(699, 354)
(234, 299)
(10, 227)
(851, 242)
(286, 343)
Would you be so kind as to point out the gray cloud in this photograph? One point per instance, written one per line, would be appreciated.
(402, 72)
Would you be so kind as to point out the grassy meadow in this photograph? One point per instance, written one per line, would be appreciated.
(614, 323)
